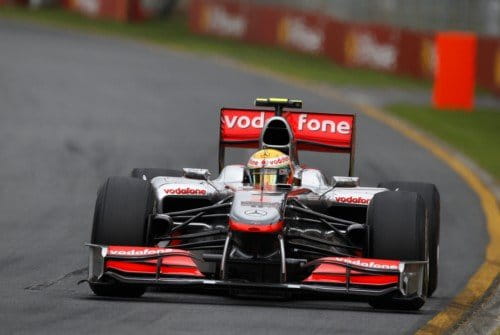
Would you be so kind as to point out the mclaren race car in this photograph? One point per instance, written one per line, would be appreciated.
(271, 225)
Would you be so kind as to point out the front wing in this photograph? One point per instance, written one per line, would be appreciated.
(336, 275)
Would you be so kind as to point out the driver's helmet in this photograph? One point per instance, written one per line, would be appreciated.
(269, 167)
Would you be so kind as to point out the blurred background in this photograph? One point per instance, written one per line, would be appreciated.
(481, 16)
(394, 36)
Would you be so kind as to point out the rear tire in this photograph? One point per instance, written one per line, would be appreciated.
(150, 173)
(121, 216)
(397, 230)
(432, 202)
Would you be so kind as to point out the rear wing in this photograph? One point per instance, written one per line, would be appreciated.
(323, 132)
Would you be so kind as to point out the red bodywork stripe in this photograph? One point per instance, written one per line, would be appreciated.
(337, 274)
(254, 228)
(146, 268)
(355, 279)
(180, 263)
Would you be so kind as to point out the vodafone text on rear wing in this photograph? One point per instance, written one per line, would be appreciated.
(288, 131)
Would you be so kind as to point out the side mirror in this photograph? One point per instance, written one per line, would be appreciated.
(339, 181)
(202, 174)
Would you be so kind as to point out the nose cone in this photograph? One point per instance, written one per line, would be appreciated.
(255, 214)
(254, 211)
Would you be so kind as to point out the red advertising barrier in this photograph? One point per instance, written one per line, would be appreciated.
(14, 2)
(301, 31)
(220, 18)
(372, 47)
(263, 25)
(335, 41)
(417, 54)
(488, 63)
(119, 10)
(145, 9)
(85, 7)
(377, 47)
(455, 71)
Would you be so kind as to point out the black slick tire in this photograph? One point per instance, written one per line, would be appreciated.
(121, 215)
(397, 230)
(432, 203)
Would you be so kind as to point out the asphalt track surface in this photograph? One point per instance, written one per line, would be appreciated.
(76, 108)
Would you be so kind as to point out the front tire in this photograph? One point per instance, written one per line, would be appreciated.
(122, 210)
(432, 202)
(397, 230)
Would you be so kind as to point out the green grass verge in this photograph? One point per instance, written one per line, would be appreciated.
(476, 134)
(174, 32)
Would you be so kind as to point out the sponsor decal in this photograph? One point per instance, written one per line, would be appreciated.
(270, 162)
(243, 121)
(304, 122)
(294, 32)
(279, 161)
(90, 7)
(364, 49)
(256, 212)
(352, 200)
(218, 20)
(137, 252)
(252, 162)
(497, 68)
(324, 126)
(185, 191)
(368, 263)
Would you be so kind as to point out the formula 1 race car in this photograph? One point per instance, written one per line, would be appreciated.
(271, 226)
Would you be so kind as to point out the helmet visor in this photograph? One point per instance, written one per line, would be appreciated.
(270, 177)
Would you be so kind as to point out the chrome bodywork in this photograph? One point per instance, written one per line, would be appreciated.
(256, 207)
(232, 179)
